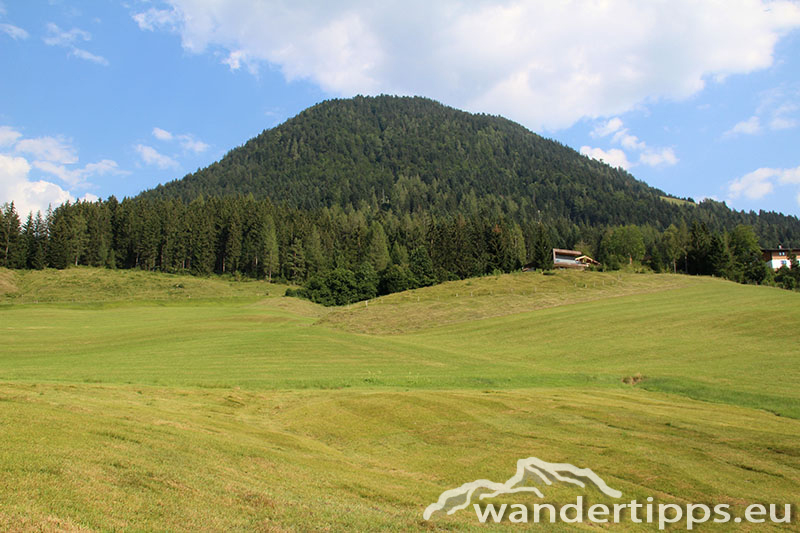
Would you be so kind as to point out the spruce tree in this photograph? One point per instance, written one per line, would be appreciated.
(60, 245)
(378, 247)
(201, 237)
(315, 257)
(422, 267)
(720, 256)
(11, 249)
(542, 249)
(699, 250)
(37, 256)
(296, 262)
(232, 243)
(269, 248)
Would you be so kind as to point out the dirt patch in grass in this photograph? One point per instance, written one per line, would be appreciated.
(634, 379)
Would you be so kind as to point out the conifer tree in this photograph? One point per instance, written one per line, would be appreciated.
(518, 251)
(11, 250)
(422, 267)
(378, 247)
(60, 246)
(699, 250)
(37, 250)
(315, 257)
(201, 238)
(399, 254)
(231, 245)
(542, 250)
(295, 261)
(269, 248)
(720, 256)
(746, 254)
(28, 240)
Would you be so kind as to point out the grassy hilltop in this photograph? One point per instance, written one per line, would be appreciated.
(205, 404)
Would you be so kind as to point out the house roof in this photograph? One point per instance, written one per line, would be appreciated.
(561, 251)
(587, 259)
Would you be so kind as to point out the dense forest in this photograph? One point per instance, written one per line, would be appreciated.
(341, 256)
(365, 196)
(406, 155)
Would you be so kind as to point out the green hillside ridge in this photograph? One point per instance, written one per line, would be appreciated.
(493, 296)
(727, 344)
(86, 284)
(412, 154)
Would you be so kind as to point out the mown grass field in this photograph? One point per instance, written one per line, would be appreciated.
(221, 405)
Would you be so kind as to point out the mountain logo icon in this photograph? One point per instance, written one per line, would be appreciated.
(529, 470)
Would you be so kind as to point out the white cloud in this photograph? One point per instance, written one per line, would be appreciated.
(235, 59)
(89, 197)
(649, 156)
(191, 144)
(14, 32)
(613, 157)
(78, 177)
(67, 39)
(761, 182)
(58, 37)
(751, 126)
(51, 155)
(69, 176)
(13, 168)
(51, 149)
(631, 142)
(658, 157)
(153, 19)
(151, 156)
(778, 110)
(162, 135)
(782, 123)
(8, 136)
(604, 129)
(516, 58)
(789, 175)
(28, 196)
(701, 199)
(187, 141)
(754, 185)
(88, 56)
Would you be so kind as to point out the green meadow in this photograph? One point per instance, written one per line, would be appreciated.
(141, 401)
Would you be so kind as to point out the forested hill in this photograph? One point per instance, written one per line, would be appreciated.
(412, 155)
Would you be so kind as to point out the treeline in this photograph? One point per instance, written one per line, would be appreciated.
(340, 256)
(695, 250)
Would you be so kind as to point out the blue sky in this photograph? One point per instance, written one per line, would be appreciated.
(700, 99)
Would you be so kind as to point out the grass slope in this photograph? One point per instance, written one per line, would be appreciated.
(493, 296)
(249, 412)
(142, 458)
(83, 284)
